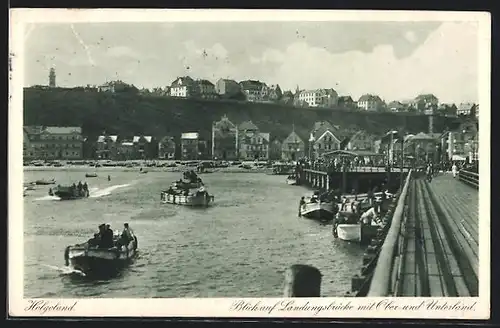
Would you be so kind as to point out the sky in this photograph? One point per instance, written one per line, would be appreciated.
(395, 60)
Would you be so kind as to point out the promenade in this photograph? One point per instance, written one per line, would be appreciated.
(436, 251)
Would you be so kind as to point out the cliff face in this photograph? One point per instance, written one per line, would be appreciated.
(131, 114)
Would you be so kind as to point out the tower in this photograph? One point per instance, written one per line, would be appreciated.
(52, 78)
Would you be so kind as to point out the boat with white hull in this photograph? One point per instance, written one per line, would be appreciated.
(195, 198)
(349, 232)
(317, 210)
(291, 181)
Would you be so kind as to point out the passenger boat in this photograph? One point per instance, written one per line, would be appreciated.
(95, 261)
(194, 197)
(291, 180)
(45, 182)
(316, 209)
(69, 192)
(283, 169)
(91, 175)
(347, 227)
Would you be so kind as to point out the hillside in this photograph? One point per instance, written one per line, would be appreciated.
(129, 114)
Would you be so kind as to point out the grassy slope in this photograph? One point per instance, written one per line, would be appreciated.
(125, 114)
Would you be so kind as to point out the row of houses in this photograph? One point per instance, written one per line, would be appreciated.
(229, 141)
(258, 91)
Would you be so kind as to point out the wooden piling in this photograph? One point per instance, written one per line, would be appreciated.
(302, 281)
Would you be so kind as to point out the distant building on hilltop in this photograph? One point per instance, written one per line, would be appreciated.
(396, 106)
(425, 103)
(116, 86)
(274, 93)
(370, 103)
(205, 89)
(319, 97)
(227, 88)
(253, 90)
(346, 102)
(52, 77)
(466, 109)
(183, 87)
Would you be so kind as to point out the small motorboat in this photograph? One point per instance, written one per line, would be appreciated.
(95, 261)
(283, 169)
(190, 197)
(347, 226)
(291, 180)
(91, 175)
(45, 182)
(69, 192)
(314, 208)
(29, 186)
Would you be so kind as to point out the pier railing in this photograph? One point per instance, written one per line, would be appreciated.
(383, 276)
(469, 178)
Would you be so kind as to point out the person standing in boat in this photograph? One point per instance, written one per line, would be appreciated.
(301, 203)
(107, 237)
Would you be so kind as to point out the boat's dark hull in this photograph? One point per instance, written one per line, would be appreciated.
(320, 214)
(99, 267)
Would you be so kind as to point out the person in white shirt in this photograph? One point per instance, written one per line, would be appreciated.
(371, 216)
(454, 170)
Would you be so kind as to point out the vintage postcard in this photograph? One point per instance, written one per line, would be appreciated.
(249, 163)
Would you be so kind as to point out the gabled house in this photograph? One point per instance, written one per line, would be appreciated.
(396, 106)
(322, 139)
(253, 144)
(226, 87)
(293, 147)
(346, 102)
(466, 109)
(190, 146)
(371, 103)
(274, 93)
(361, 140)
(447, 109)
(145, 147)
(205, 89)
(224, 140)
(166, 148)
(107, 147)
(319, 97)
(184, 87)
(253, 90)
(425, 103)
(287, 98)
(117, 86)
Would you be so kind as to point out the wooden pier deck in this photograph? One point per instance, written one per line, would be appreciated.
(440, 248)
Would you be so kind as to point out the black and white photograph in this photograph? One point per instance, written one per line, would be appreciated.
(247, 155)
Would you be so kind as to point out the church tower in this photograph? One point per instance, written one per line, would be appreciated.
(52, 78)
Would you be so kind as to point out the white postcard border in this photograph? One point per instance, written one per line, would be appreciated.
(238, 307)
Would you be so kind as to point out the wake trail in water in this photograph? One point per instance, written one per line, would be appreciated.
(107, 191)
(48, 197)
(66, 270)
